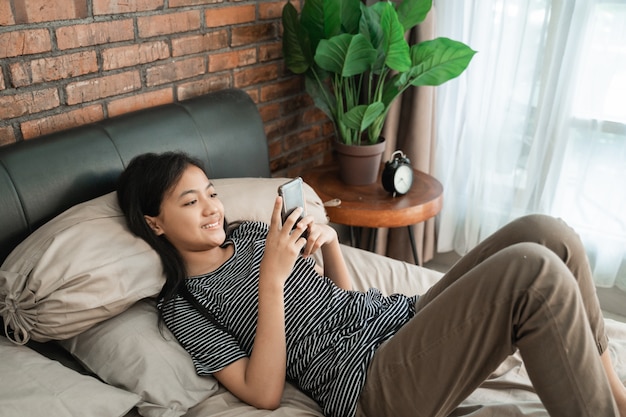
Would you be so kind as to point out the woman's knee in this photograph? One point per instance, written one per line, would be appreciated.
(538, 227)
(551, 232)
(540, 268)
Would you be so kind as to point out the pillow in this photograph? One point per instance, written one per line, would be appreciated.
(78, 269)
(253, 198)
(34, 385)
(130, 352)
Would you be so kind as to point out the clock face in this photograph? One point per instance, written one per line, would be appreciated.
(403, 179)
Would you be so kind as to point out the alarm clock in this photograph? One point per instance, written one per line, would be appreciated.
(397, 174)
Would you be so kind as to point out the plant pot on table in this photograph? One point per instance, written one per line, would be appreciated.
(359, 164)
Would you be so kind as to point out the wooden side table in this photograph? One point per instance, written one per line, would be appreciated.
(371, 206)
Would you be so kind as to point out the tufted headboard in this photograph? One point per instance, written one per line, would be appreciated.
(41, 178)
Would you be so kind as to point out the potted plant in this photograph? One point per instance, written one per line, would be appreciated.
(356, 61)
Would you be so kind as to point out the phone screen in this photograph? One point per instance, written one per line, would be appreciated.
(293, 197)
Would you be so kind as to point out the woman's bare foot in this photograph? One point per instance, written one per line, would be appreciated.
(617, 387)
(621, 403)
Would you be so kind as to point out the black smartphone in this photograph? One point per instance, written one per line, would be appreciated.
(292, 193)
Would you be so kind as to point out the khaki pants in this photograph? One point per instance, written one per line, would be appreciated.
(527, 286)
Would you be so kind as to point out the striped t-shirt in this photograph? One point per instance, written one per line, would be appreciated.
(331, 333)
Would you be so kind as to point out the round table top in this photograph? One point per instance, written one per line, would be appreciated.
(370, 205)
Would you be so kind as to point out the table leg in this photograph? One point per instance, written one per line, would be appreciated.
(355, 240)
(373, 237)
(352, 237)
(413, 247)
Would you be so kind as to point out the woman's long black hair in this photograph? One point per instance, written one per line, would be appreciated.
(140, 191)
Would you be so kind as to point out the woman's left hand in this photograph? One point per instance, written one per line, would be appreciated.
(318, 236)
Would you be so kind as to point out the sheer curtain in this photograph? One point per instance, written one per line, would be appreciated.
(537, 124)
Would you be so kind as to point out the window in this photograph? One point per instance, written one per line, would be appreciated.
(591, 190)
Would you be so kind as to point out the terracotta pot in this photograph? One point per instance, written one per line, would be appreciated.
(359, 165)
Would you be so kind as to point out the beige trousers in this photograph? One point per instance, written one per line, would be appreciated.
(528, 286)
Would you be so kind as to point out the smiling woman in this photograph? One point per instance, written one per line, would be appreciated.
(192, 218)
(181, 183)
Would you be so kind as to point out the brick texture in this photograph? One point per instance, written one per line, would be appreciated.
(181, 3)
(7, 135)
(168, 23)
(28, 103)
(256, 75)
(53, 68)
(101, 7)
(111, 85)
(194, 44)
(34, 11)
(6, 14)
(203, 86)
(24, 42)
(271, 9)
(133, 55)
(176, 70)
(229, 60)
(245, 35)
(230, 15)
(65, 63)
(139, 101)
(271, 51)
(94, 34)
(277, 90)
(85, 115)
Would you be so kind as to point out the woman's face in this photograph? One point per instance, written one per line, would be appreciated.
(191, 217)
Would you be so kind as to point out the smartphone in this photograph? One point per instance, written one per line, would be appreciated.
(292, 193)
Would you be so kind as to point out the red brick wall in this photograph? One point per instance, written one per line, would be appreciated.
(65, 63)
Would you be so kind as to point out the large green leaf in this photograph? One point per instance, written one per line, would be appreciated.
(350, 15)
(380, 24)
(413, 12)
(361, 117)
(391, 89)
(394, 44)
(324, 19)
(369, 26)
(437, 61)
(296, 44)
(312, 20)
(320, 93)
(332, 18)
(345, 54)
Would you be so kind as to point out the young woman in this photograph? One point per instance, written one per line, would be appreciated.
(267, 315)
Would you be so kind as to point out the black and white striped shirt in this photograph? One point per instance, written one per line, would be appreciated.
(331, 333)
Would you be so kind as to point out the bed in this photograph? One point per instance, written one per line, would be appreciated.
(80, 333)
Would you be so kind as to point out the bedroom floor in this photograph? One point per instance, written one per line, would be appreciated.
(443, 261)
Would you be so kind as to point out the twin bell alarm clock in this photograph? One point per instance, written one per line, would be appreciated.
(397, 175)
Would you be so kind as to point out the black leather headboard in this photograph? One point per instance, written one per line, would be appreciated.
(41, 178)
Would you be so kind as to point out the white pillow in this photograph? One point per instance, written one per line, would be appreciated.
(33, 385)
(78, 269)
(130, 352)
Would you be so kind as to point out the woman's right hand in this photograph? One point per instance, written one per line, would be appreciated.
(282, 246)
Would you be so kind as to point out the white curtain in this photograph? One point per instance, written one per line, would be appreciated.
(537, 124)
